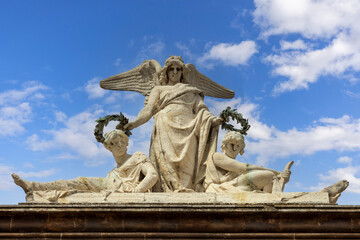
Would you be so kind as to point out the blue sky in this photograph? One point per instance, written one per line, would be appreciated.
(294, 66)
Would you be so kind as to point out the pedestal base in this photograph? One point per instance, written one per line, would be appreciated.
(179, 221)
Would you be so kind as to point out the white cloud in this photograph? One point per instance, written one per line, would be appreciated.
(312, 19)
(76, 136)
(333, 24)
(38, 96)
(16, 109)
(60, 116)
(28, 165)
(113, 97)
(64, 156)
(132, 96)
(298, 44)
(344, 159)
(152, 50)
(16, 96)
(303, 68)
(39, 174)
(10, 112)
(12, 119)
(95, 91)
(229, 54)
(93, 88)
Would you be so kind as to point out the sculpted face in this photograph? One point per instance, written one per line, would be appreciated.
(116, 145)
(234, 148)
(174, 73)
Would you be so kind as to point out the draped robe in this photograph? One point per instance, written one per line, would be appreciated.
(182, 138)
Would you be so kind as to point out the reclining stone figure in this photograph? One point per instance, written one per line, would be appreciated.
(224, 174)
(134, 173)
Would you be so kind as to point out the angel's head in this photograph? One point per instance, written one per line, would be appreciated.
(174, 71)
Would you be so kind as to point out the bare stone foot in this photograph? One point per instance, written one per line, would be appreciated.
(25, 185)
(335, 190)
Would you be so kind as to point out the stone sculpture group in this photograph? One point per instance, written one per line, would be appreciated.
(182, 156)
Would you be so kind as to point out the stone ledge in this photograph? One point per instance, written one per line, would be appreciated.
(137, 221)
(184, 198)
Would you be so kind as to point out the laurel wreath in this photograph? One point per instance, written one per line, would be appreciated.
(103, 122)
(227, 113)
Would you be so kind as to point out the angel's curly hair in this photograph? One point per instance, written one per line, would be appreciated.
(163, 79)
(232, 136)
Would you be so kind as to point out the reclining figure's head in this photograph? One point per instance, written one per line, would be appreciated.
(233, 143)
(116, 142)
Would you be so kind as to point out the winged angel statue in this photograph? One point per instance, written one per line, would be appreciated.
(182, 154)
(185, 132)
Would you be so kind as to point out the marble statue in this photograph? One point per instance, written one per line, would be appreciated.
(182, 157)
(134, 173)
(184, 131)
(225, 174)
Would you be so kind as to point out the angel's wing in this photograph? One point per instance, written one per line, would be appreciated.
(206, 85)
(140, 79)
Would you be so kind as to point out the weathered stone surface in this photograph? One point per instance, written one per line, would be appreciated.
(273, 198)
(193, 198)
(179, 221)
(180, 198)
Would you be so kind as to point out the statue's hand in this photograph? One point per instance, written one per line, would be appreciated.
(217, 121)
(285, 175)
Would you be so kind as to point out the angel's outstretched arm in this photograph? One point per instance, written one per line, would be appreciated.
(147, 112)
